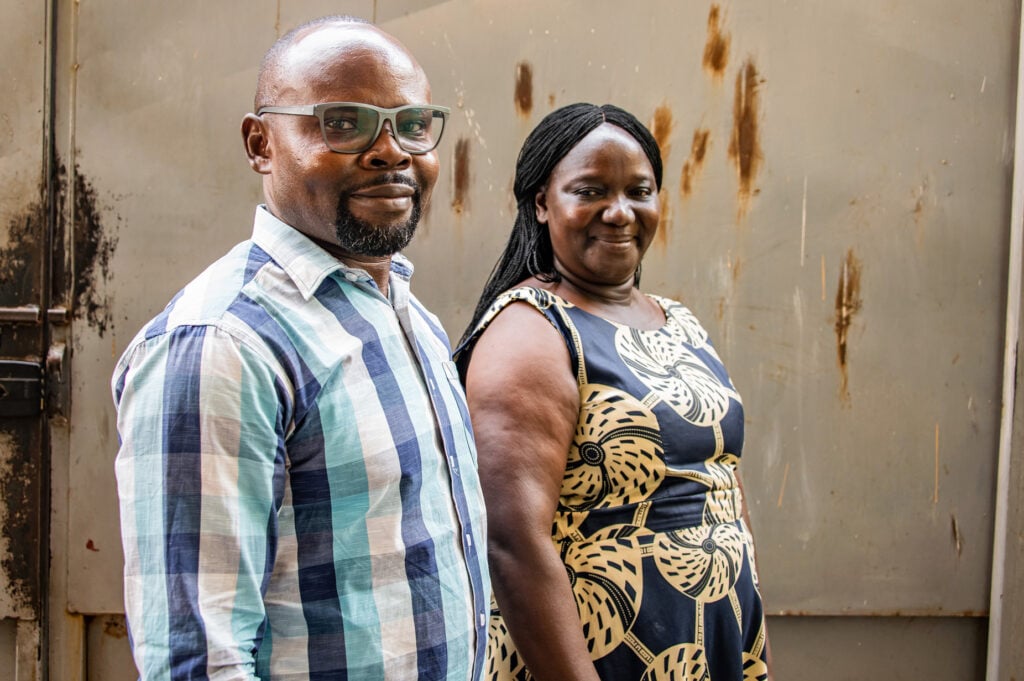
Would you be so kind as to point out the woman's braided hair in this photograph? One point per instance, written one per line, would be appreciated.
(528, 251)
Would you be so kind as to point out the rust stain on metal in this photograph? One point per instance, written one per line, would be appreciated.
(735, 266)
(695, 162)
(114, 626)
(664, 218)
(848, 303)
(716, 49)
(524, 88)
(460, 177)
(782, 487)
(661, 128)
(745, 145)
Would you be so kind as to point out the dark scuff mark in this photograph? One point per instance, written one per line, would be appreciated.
(744, 145)
(114, 626)
(551, 100)
(460, 177)
(91, 545)
(716, 49)
(695, 162)
(19, 490)
(94, 251)
(958, 543)
(524, 89)
(24, 234)
(848, 303)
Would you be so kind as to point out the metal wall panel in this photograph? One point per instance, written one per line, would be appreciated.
(879, 135)
(836, 200)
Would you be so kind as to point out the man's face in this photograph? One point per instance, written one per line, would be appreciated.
(365, 204)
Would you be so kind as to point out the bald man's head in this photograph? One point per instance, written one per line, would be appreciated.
(279, 61)
(365, 202)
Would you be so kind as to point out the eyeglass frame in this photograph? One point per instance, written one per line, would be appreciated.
(383, 115)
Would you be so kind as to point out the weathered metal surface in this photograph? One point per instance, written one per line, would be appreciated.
(893, 649)
(23, 222)
(836, 200)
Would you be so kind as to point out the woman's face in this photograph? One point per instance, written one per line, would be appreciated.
(601, 207)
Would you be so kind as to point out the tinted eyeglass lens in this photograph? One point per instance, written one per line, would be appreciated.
(418, 129)
(351, 128)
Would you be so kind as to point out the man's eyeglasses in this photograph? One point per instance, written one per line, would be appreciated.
(352, 128)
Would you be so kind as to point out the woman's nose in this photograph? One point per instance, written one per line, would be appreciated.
(619, 211)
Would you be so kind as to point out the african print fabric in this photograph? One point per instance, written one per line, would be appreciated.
(649, 519)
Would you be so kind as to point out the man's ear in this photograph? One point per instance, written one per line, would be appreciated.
(257, 143)
(540, 205)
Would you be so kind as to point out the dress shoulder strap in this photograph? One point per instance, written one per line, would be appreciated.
(548, 304)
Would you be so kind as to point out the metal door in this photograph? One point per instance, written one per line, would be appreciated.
(837, 206)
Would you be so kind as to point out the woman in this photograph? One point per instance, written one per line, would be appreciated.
(608, 433)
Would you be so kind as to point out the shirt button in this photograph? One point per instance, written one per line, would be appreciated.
(483, 619)
(469, 539)
(351, 276)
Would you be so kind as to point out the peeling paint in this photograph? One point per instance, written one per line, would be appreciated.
(695, 162)
(524, 89)
(19, 531)
(716, 49)
(848, 303)
(745, 145)
(114, 626)
(460, 177)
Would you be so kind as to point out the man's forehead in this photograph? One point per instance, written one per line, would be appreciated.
(347, 44)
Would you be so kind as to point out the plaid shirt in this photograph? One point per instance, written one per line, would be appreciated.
(297, 478)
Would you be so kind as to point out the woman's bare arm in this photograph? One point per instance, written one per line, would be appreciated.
(524, 404)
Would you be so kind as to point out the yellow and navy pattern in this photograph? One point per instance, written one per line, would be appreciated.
(649, 519)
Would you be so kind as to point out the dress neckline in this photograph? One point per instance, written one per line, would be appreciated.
(658, 300)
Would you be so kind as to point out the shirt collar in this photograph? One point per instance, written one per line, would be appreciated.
(306, 263)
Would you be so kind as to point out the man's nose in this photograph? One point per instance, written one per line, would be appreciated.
(385, 152)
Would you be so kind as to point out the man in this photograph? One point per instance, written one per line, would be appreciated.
(297, 480)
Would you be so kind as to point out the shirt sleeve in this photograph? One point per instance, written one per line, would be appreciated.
(200, 476)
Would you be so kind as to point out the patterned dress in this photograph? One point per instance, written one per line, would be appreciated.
(648, 522)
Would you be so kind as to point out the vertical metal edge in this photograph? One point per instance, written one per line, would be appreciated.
(1011, 427)
(28, 664)
(49, 156)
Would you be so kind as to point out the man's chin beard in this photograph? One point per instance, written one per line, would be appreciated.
(365, 238)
